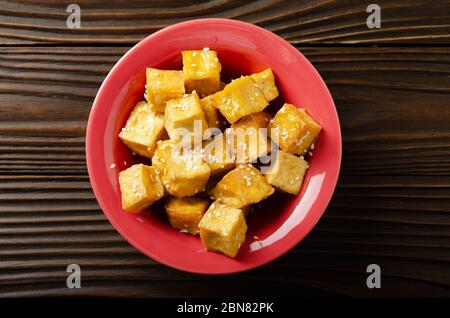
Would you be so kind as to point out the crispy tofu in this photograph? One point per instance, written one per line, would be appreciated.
(287, 172)
(293, 129)
(162, 86)
(185, 213)
(201, 70)
(212, 115)
(185, 113)
(183, 174)
(250, 141)
(223, 229)
(143, 129)
(266, 83)
(215, 154)
(140, 186)
(241, 187)
(239, 98)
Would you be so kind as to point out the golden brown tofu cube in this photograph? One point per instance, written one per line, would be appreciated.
(185, 213)
(287, 172)
(144, 128)
(239, 98)
(162, 86)
(201, 71)
(241, 187)
(215, 154)
(185, 113)
(140, 186)
(250, 141)
(266, 83)
(255, 120)
(223, 229)
(212, 114)
(182, 173)
(293, 129)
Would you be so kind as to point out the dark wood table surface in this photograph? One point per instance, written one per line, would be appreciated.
(391, 207)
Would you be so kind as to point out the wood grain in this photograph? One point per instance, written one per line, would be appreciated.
(392, 203)
(301, 22)
(391, 207)
(392, 102)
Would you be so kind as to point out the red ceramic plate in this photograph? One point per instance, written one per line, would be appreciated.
(282, 221)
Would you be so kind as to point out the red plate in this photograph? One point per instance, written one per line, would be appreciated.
(282, 221)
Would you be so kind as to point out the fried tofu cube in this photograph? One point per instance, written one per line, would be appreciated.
(255, 120)
(266, 83)
(201, 70)
(223, 229)
(185, 213)
(143, 129)
(219, 157)
(241, 187)
(293, 129)
(250, 141)
(287, 172)
(239, 98)
(140, 186)
(163, 85)
(212, 115)
(183, 173)
(185, 112)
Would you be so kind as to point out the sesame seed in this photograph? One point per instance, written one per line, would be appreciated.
(140, 219)
(112, 166)
(206, 49)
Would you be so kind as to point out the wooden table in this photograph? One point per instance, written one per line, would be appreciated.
(391, 87)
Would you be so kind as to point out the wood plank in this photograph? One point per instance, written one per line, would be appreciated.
(392, 102)
(348, 238)
(391, 206)
(309, 22)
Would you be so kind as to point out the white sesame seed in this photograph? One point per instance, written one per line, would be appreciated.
(112, 166)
